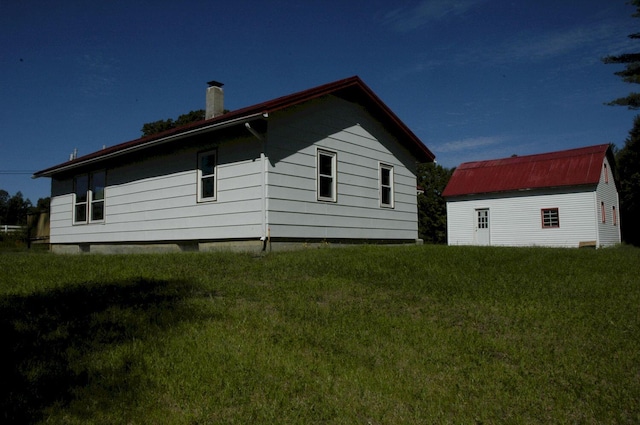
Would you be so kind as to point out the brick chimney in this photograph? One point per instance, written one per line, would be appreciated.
(215, 100)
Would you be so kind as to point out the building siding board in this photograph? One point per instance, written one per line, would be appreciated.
(608, 232)
(516, 220)
(157, 200)
(295, 212)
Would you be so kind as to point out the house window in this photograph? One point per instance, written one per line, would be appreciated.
(606, 173)
(386, 186)
(614, 215)
(207, 163)
(96, 196)
(89, 197)
(326, 165)
(603, 213)
(550, 218)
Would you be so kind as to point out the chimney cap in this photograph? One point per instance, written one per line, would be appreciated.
(214, 83)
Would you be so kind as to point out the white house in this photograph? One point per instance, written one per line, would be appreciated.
(563, 199)
(332, 164)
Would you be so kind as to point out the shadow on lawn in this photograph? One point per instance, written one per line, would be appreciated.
(47, 338)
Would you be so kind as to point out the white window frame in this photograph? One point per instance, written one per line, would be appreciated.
(323, 177)
(213, 176)
(390, 186)
(91, 199)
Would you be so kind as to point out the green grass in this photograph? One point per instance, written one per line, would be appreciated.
(370, 335)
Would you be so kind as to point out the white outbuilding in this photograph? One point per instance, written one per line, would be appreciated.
(557, 199)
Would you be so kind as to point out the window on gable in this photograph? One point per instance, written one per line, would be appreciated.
(207, 164)
(327, 176)
(606, 173)
(550, 218)
(89, 197)
(603, 213)
(386, 186)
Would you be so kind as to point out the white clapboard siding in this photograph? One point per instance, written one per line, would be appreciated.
(515, 220)
(360, 144)
(606, 192)
(156, 200)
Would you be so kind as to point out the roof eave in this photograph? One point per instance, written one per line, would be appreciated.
(92, 158)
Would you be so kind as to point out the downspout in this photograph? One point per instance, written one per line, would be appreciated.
(264, 238)
(598, 216)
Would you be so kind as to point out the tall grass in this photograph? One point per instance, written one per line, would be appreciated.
(376, 335)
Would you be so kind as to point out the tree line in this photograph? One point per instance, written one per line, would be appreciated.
(14, 209)
(628, 157)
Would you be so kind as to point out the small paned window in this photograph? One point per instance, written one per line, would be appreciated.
(327, 179)
(207, 163)
(483, 219)
(89, 195)
(550, 218)
(603, 213)
(96, 208)
(614, 215)
(81, 189)
(386, 186)
(606, 173)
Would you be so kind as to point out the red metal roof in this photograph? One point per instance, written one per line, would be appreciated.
(352, 89)
(571, 167)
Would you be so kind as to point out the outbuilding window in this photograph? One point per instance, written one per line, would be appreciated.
(603, 213)
(327, 175)
(614, 215)
(88, 204)
(386, 186)
(550, 218)
(207, 164)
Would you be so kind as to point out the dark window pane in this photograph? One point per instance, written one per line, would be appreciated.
(386, 196)
(208, 188)
(386, 176)
(97, 185)
(208, 164)
(326, 187)
(97, 211)
(325, 165)
(81, 212)
(81, 187)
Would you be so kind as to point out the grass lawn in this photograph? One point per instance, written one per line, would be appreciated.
(362, 335)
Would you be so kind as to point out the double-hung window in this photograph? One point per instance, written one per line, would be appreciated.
(386, 186)
(550, 218)
(89, 197)
(327, 175)
(207, 164)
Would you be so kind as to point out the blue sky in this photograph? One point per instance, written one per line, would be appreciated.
(474, 79)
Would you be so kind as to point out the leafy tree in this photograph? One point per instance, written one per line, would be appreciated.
(628, 169)
(4, 201)
(163, 125)
(432, 209)
(43, 204)
(13, 210)
(628, 158)
(631, 73)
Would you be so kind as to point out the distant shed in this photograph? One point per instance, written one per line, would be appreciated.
(565, 199)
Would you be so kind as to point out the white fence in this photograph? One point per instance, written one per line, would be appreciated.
(7, 228)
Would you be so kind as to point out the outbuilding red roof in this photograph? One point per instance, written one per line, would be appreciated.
(352, 89)
(573, 167)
